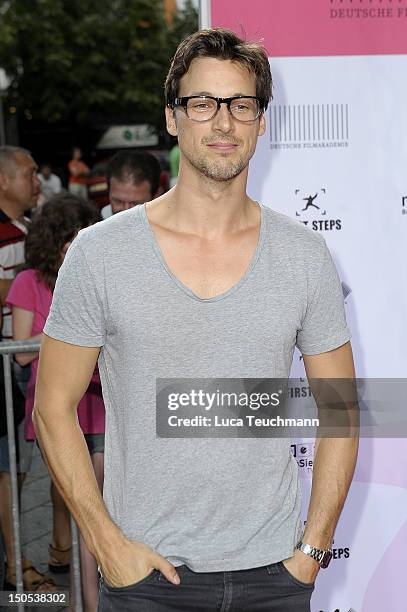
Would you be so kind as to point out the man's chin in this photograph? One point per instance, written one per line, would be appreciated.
(223, 174)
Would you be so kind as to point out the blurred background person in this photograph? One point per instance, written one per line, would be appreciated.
(133, 178)
(78, 173)
(50, 183)
(19, 192)
(52, 230)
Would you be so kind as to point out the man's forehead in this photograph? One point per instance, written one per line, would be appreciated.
(18, 162)
(211, 75)
(129, 187)
(24, 161)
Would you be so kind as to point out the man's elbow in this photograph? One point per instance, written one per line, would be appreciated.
(49, 420)
(37, 419)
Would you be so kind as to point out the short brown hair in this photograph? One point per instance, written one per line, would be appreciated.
(220, 44)
(135, 166)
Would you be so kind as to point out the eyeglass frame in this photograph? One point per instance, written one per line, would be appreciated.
(183, 101)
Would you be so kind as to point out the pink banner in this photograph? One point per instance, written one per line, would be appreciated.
(318, 27)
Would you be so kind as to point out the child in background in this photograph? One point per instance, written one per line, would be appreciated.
(51, 232)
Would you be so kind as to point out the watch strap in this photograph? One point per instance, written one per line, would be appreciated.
(320, 555)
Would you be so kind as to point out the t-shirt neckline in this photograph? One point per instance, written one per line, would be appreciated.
(216, 298)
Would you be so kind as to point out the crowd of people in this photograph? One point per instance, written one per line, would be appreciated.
(39, 219)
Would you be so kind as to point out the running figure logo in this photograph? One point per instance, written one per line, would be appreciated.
(310, 201)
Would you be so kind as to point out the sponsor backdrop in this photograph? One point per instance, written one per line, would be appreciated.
(335, 158)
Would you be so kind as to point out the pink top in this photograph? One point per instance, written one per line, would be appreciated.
(30, 293)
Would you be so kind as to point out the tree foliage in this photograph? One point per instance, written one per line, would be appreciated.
(89, 60)
(185, 22)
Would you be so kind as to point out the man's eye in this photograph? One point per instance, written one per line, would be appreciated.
(200, 106)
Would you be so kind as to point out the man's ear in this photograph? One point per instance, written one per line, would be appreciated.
(262, 124)
(4, 181)
(171, 121)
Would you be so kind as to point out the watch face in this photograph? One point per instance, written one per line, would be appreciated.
(326, 559)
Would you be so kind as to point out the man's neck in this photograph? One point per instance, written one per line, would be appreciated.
(11, 210)
(206, 207)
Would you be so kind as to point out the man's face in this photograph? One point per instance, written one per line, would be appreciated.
(22, 184)
(46, 172)
(220, 148)
(125, 194)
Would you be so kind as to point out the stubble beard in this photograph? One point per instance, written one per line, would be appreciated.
(218, 171)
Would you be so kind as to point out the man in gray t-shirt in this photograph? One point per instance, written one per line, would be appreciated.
(203, 283)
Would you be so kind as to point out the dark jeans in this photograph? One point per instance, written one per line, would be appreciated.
(270, 588)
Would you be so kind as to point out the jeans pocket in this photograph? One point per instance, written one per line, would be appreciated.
(284, 571)
(183, 572)
(152, 575)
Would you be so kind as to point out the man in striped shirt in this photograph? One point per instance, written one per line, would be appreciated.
(19, 192)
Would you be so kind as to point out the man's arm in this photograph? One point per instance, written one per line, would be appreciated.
(65, 371)
(22, 321)
(5, 284)
(334, 465)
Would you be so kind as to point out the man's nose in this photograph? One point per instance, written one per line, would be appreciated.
(223, 119)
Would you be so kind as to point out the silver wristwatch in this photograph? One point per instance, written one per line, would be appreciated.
(323, 557)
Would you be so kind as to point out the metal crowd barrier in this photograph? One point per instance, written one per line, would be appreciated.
(7, 349)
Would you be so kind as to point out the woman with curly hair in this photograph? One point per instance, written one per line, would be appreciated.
(51, 232)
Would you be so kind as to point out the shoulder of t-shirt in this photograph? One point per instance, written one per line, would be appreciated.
(294, 233)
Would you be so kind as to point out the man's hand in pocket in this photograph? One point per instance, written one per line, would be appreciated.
(131, 562)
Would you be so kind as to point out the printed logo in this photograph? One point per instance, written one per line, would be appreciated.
(301, 391)
(315, 205)
(404, 205)
(309, 126)
(304, 455)
(367, 9)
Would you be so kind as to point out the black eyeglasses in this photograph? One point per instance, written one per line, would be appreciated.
(204, 108)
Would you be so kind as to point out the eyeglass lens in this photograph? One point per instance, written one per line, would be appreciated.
(202, 109)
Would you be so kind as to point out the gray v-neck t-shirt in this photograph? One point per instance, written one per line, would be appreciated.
(214, 504)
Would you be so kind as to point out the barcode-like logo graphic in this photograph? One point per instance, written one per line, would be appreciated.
(309, 125)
